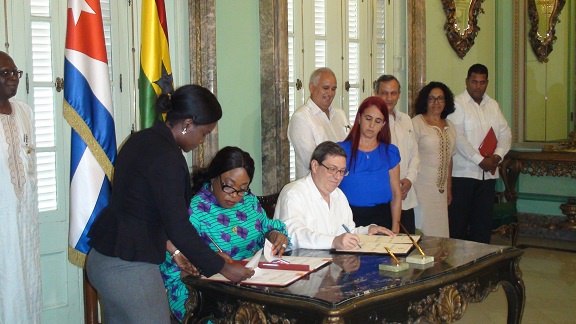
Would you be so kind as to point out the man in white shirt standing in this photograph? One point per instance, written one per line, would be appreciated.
(316, 121)
(316, 212)
(402, 134)
(473, 184)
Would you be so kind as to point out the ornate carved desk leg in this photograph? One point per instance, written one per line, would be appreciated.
(515, 292)
(191, 305)
(510, 169)
(513, 232)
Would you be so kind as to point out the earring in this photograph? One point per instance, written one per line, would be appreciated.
(184, 131)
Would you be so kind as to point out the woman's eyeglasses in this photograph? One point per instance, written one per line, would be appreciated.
(333, 170)
(436, 99)
(6, 73)
(231, 190)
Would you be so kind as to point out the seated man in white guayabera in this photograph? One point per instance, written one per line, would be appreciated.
(315, 211)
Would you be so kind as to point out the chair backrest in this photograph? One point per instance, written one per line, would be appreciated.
(269, 204)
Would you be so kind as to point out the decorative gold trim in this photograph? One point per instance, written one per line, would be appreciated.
(450, 303)
(78, 124)
(333, 320)
(461, 42)
(518, 271)
(450, 306)
(76, 257)
(249, 313)
(542, 45)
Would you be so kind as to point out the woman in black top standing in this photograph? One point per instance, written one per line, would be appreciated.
(149, 206)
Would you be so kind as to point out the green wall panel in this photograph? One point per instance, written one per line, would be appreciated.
(238, 61)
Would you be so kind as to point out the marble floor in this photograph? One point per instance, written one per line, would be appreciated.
(549, 276)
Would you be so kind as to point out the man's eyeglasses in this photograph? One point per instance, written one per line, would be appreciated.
(437, 99)
(231, 190)
(5, 73)
(333, 170)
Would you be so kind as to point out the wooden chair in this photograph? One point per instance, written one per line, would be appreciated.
(269, 203)
(90, 302)
(504, 221)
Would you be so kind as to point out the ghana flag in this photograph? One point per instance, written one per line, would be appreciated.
(155, 70)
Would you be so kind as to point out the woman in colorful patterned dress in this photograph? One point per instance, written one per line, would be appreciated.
(436, 137)
(223, 209)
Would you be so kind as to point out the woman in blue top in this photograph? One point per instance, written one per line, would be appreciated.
(223, 209)
(373, 185)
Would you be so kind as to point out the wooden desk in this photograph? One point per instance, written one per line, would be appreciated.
(463, 272)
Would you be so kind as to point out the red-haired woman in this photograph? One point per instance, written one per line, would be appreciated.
(373, 185)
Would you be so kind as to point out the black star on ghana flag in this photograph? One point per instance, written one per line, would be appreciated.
(165, 82)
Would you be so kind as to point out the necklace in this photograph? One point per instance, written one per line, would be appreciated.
(367, 149)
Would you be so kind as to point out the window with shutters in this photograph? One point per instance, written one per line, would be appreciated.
(40, 77)
(350, 37)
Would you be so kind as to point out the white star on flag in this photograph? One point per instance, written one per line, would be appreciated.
(77, 7)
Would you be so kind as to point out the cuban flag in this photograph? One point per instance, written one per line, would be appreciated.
(88, 110)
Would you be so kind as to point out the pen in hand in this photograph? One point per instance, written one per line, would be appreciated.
(216, 245)
(348, 231)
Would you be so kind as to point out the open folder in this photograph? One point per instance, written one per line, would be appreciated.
(488, 145)
(280, 274)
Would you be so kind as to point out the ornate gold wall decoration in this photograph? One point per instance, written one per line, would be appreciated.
(462, 23)
(543, 16)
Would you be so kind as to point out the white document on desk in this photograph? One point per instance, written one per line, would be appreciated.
(277, 277)
(399, 244)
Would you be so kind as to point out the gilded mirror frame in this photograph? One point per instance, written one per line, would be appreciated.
(542, 45)
(461, 42)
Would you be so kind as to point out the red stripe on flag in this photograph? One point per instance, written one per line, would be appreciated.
(162, 17)
(86, 35)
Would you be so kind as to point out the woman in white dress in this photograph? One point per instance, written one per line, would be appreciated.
(436, 137)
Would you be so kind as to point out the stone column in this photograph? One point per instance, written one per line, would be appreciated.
(202, 24)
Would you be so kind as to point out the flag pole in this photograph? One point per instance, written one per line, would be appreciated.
(90, 301)
(136, 119)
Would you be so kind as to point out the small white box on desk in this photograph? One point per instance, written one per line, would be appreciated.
(419, 259)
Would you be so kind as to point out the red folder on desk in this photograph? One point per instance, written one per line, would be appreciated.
(279, 274)
(279, 266)
(488, 145)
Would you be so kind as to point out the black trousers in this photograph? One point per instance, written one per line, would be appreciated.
(381, 215)
(472, 209)
(407, 219)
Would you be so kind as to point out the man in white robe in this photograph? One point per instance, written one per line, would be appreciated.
(20, 277)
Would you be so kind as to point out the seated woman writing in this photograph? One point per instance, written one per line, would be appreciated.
(224, 210)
